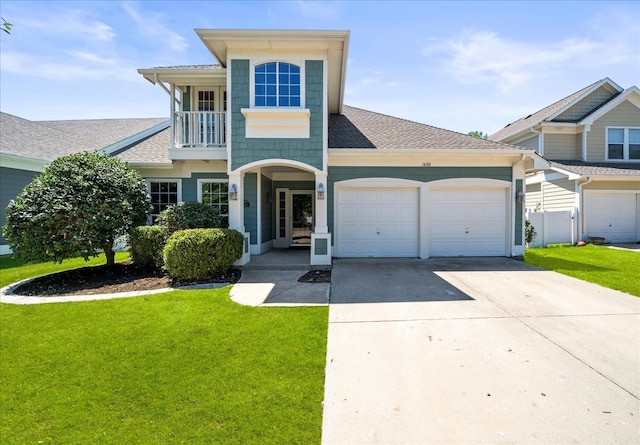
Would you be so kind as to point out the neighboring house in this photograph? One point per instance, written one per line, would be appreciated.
(592, 139)
(264, 136)
(27, 147)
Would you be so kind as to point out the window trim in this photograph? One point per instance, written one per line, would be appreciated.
(625, 143)
(252, 82)
(151, 180)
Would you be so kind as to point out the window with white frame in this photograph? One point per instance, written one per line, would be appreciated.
(623, 144)
(277, 84)
(163, 193)
(215, 193)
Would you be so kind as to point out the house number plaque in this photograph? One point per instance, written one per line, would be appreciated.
(426, 164)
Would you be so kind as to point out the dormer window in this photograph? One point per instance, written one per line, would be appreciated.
(623, 144)
(277, 84)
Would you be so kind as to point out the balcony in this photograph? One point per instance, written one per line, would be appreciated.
(199, 135)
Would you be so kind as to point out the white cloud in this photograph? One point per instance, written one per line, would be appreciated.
(78, 67)
(72, 23)
(484, 57)
(152, 26)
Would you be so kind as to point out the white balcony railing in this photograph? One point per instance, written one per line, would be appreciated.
(200, 129)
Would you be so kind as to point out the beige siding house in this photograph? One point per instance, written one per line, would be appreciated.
(592, 138)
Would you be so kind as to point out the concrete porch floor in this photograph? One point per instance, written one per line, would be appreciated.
(283, 259)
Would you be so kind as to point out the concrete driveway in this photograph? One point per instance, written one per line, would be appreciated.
(478, 350)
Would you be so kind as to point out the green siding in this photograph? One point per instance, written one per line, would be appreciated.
(267, 208)
(412, 173)
(519, 216)
(321, 246)
(186, 100)
(251, 212)
(245, 151)
(13, 181)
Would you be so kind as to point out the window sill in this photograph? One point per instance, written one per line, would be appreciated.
(278, 123)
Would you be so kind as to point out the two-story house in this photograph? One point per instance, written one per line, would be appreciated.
(592, 139)
(264, 136)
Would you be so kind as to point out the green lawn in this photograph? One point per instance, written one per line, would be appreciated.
(615, 269)
(12, 270)
(180, 367)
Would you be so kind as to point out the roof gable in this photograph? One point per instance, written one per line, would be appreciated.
(571, 109)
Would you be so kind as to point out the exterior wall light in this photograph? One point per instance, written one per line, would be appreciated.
(520, 196)
(320, 191)
(233, 192)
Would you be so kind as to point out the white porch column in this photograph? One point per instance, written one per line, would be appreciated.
(518, 184)
(321, 238)
(236, 213)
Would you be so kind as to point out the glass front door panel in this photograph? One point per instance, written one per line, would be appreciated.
(302, 218)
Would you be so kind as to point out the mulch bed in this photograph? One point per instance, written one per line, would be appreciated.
(316, 276)
(121, 277)
(125, 277)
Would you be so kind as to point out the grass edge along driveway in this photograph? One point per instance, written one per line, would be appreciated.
(612, 268)
(179, 367)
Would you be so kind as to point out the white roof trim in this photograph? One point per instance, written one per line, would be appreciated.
(569, 174)
(604, 81)
(131, 140)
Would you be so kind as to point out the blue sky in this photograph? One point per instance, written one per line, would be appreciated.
(457, 65)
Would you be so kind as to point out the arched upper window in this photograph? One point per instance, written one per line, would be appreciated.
(277, 84)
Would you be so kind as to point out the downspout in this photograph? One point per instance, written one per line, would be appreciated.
(581, 206)
(540, 149)
(587, 128)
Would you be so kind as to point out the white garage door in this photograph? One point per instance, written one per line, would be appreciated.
(467, 222)
(613, 216)
(377, 222)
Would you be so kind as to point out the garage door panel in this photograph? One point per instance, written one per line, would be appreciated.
(613, 216)
(468, 222)
(378, 222)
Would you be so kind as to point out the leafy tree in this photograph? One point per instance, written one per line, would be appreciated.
(5, 26)
(478, 134)
(79, 204)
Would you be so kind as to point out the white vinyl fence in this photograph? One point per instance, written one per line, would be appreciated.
(553, 227)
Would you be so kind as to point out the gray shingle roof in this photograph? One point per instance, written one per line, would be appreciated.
(537, 117)
(48, 140)
(357, 128)
(600, 168)
(153, 150)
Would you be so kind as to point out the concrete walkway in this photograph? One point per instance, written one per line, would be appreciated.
(478, 351)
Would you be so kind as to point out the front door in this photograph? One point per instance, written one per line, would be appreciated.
(294, 218)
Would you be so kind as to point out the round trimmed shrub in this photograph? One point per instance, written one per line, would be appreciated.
(199, 254)
(189, 215)
(146, 244)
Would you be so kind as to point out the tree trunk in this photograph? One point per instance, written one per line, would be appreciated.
(109, 253)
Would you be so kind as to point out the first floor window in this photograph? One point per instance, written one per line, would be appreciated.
(623, 144)
(163, 194)
(215, 193)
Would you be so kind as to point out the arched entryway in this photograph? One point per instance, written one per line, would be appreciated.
(280, 204)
